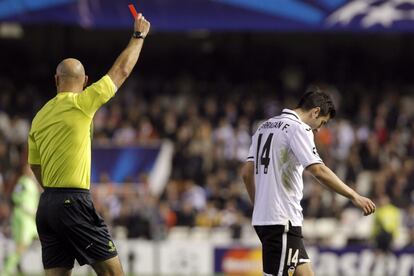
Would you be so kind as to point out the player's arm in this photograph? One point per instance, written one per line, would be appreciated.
(37, 171)
(247, 174)
(126, 61)
(33, 158)
(327, 177)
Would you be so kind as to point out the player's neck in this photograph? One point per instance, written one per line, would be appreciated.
(303, 115)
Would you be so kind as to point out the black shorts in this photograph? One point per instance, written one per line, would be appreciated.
(69, 228)
(282, 249)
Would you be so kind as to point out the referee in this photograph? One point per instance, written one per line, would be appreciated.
(60, 156)
(282, 147)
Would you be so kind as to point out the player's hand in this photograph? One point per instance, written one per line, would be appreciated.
(365, 204)
(142, 25)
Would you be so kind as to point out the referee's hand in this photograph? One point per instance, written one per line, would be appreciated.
(365, 204)
(142, 25)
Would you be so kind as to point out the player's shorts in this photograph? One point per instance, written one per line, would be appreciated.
(282, 249)
(23, 228)
(69, 228)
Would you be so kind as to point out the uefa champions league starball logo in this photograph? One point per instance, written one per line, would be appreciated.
(370, 13)
(328, 14)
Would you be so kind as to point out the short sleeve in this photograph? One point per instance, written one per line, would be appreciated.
(303, 146)
(95, 95)
(34, 156)
(252, 151)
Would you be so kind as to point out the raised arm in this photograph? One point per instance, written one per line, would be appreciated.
(126, 61)
(327, 177)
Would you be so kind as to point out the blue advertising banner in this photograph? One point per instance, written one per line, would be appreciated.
(268, 15)
(123, 164)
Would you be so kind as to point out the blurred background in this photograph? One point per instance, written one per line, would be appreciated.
(168, 147)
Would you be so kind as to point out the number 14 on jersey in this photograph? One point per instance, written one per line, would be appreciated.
(265, 153)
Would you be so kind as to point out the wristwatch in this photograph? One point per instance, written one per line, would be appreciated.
(137, 34)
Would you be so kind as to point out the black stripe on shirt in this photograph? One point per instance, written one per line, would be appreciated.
(290, 113)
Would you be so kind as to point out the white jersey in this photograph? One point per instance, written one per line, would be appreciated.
(281, 148)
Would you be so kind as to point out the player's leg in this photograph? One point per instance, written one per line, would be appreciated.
(13, 259)
(110, 267)
(273, 239)
(58, 271)
(297, 259)
(304, 269)
(22, 236)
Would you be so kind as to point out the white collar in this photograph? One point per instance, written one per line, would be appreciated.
(291, 113)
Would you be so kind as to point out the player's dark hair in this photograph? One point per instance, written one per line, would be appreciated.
(314, 97)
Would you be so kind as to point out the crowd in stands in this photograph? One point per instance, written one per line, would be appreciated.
(370, 145)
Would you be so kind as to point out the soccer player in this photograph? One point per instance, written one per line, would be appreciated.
(60, 156)
(25, 198)
(282, 147)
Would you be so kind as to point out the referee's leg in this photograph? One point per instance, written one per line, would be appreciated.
(304, 269)
(110, 267)
(58, 271)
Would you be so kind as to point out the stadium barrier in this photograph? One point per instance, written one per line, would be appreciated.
(213, 253)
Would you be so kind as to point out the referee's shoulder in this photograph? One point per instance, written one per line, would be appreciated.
(40, 113)
(36, 117)
(39, 118)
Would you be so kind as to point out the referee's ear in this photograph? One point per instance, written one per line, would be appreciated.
(85, 82)
(57, 81)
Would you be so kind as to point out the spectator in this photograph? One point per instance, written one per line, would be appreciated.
(210, 123)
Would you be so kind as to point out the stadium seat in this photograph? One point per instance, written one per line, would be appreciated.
(364, 182)
(200, 233)
(402, 238)
(308, 229)
(325, 228)
(179, 233)
(220, 235)
(249, 236)
(363, 227)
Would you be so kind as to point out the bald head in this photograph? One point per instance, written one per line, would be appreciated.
(70, 67)
(70, 76)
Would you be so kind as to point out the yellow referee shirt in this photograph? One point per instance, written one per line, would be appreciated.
(60, 136)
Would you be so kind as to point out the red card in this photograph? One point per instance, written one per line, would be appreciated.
(133, 10)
